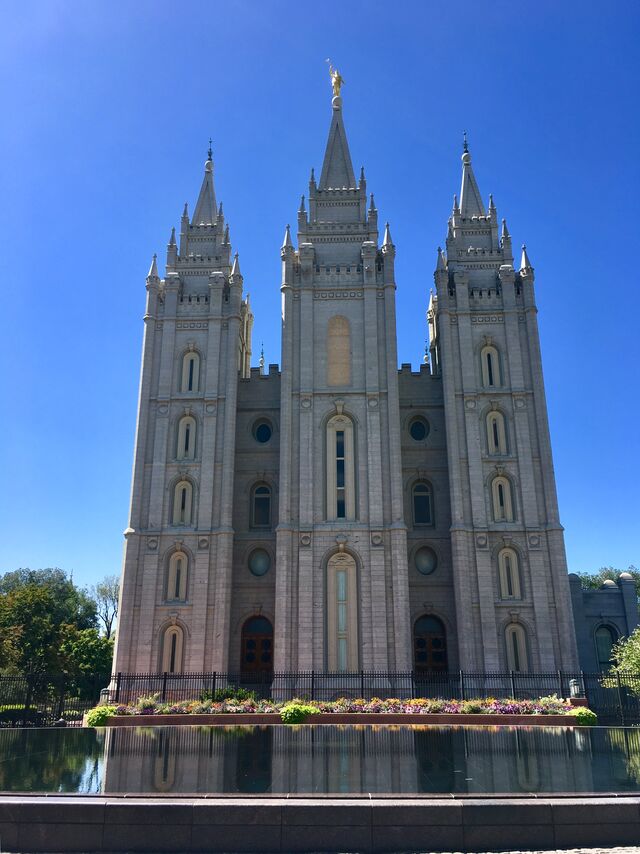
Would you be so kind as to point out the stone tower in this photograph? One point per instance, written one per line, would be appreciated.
(178, 552)
(341, 586)
(510, 576)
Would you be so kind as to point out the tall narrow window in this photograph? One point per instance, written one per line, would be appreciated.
(182, 502)
(501, 498)
(261, 506)
(338, 352)
(177, 578)
(516, 642)
(172, 649)
(490, 363)
(342, 613)
(605, 639)
(341, 484)
(190, 372)
(496, 433)
(186, 438)
(509, 574)
(422, 504)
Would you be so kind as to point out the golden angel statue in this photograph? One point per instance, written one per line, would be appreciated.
(336, 80)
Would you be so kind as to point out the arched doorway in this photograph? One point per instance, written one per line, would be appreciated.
(257, 646)
(429, 645)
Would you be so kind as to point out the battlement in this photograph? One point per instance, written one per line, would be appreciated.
(256, 375)
(406, 368)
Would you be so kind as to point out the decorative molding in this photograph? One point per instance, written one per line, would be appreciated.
(203, 543)
(337, 294)
(534, 541)
(372, 401)
(376, 538)
(210, 407)
(482, 541)
(152, 543)
(305, 539)
(520, 402)
(163, 409)
(192, 325)
(305, 402)
(470, 403)
(487, 318)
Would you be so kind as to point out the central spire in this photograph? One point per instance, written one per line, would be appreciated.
(471, 203)
(206, 208)
(337, 169)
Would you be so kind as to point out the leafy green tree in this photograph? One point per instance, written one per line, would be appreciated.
(84, 651)
(30, 630)
(70, 604)
(106, 594)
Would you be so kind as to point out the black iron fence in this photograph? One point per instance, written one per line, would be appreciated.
(44, 700)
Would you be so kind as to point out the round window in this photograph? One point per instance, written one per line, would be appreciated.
(426, 560)
(259, 562)
(419, 429)
(262, 431)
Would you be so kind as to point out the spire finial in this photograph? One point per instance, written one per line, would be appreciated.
(301, 209)
(387, 242)
(425, 358)
(525, 263)
(465, 144)
(287, 242)
(261, 362)
(372, 204)
(210, 152)
(153, 269)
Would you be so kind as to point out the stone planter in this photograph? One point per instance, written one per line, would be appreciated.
(257, 719)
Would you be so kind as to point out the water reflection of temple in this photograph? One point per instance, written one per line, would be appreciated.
(335, 759)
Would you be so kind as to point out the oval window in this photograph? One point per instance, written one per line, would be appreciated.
(259, 562)
(262, 431)
(426, 560)
(419, 429)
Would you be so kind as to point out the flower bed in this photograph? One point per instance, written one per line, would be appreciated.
(552, 711)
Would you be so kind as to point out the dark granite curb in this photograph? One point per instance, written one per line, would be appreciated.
(365, 824)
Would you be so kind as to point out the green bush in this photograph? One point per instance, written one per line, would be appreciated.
(147, 704)
(99, 715)
(12, 714)
(472, 707)
(231, 692)
(296, 713)
(584, 716)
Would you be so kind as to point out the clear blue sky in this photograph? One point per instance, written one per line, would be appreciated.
(107, 110)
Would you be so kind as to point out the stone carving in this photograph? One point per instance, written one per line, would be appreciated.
(337, 80)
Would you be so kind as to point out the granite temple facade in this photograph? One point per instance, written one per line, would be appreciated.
(338, 513)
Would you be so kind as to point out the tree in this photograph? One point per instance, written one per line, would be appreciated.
(70, 604)
(594, 581)
(626, 655)
(84, 651)
(106, 594)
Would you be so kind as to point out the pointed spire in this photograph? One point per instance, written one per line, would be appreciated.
(287, 243)
(172, 239)
(425, 358)
(261, 362)
(471, 203)
(442, 261)
(492, 207)
(226, 235)
(210, 152)
(312, 178)
(153, 269)
(301, 209)
(185, 212)
(372, 204)
(235, 269)
(206, 207)
(525, 264)
(337, 169)
(220, 214)
(387, 241)
(456, 207)
(505, 231)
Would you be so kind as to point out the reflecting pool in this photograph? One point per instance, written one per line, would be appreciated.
(320, 759)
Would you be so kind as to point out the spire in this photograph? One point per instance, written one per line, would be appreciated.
(372, 204)
(387, 242)
(301, 209)
(261, 362)
(287, 243)
(492, 207)
(337, 170)
(442, 263)
(220, 214)
(206, 207)
(185, 212)
(525, 264)
(153, 269)
(471, 203)
(172, 239)
(456, 206)
(226, 235)
(235, 270)
(505, 231)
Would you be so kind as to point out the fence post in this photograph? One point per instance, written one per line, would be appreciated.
(213, 684)
(584, 688)
(620, 704)
(513, 685)
(413, 684)
(462, 692)
(560, 691)
(164, 686)
(118, 682)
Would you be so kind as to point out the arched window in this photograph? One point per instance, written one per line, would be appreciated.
(177, 578)
(182, 503)
(257, 646)
(605, 637)
(342, 613)
(190, 372)
(338, 351)
(496, 433)
(490, 363)
(341, 483)
(421, 497)
(501, 498)
(187, 438)
(261, 506)
(516, 642)
(172, 649)
(509, 574)
(429, 644)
